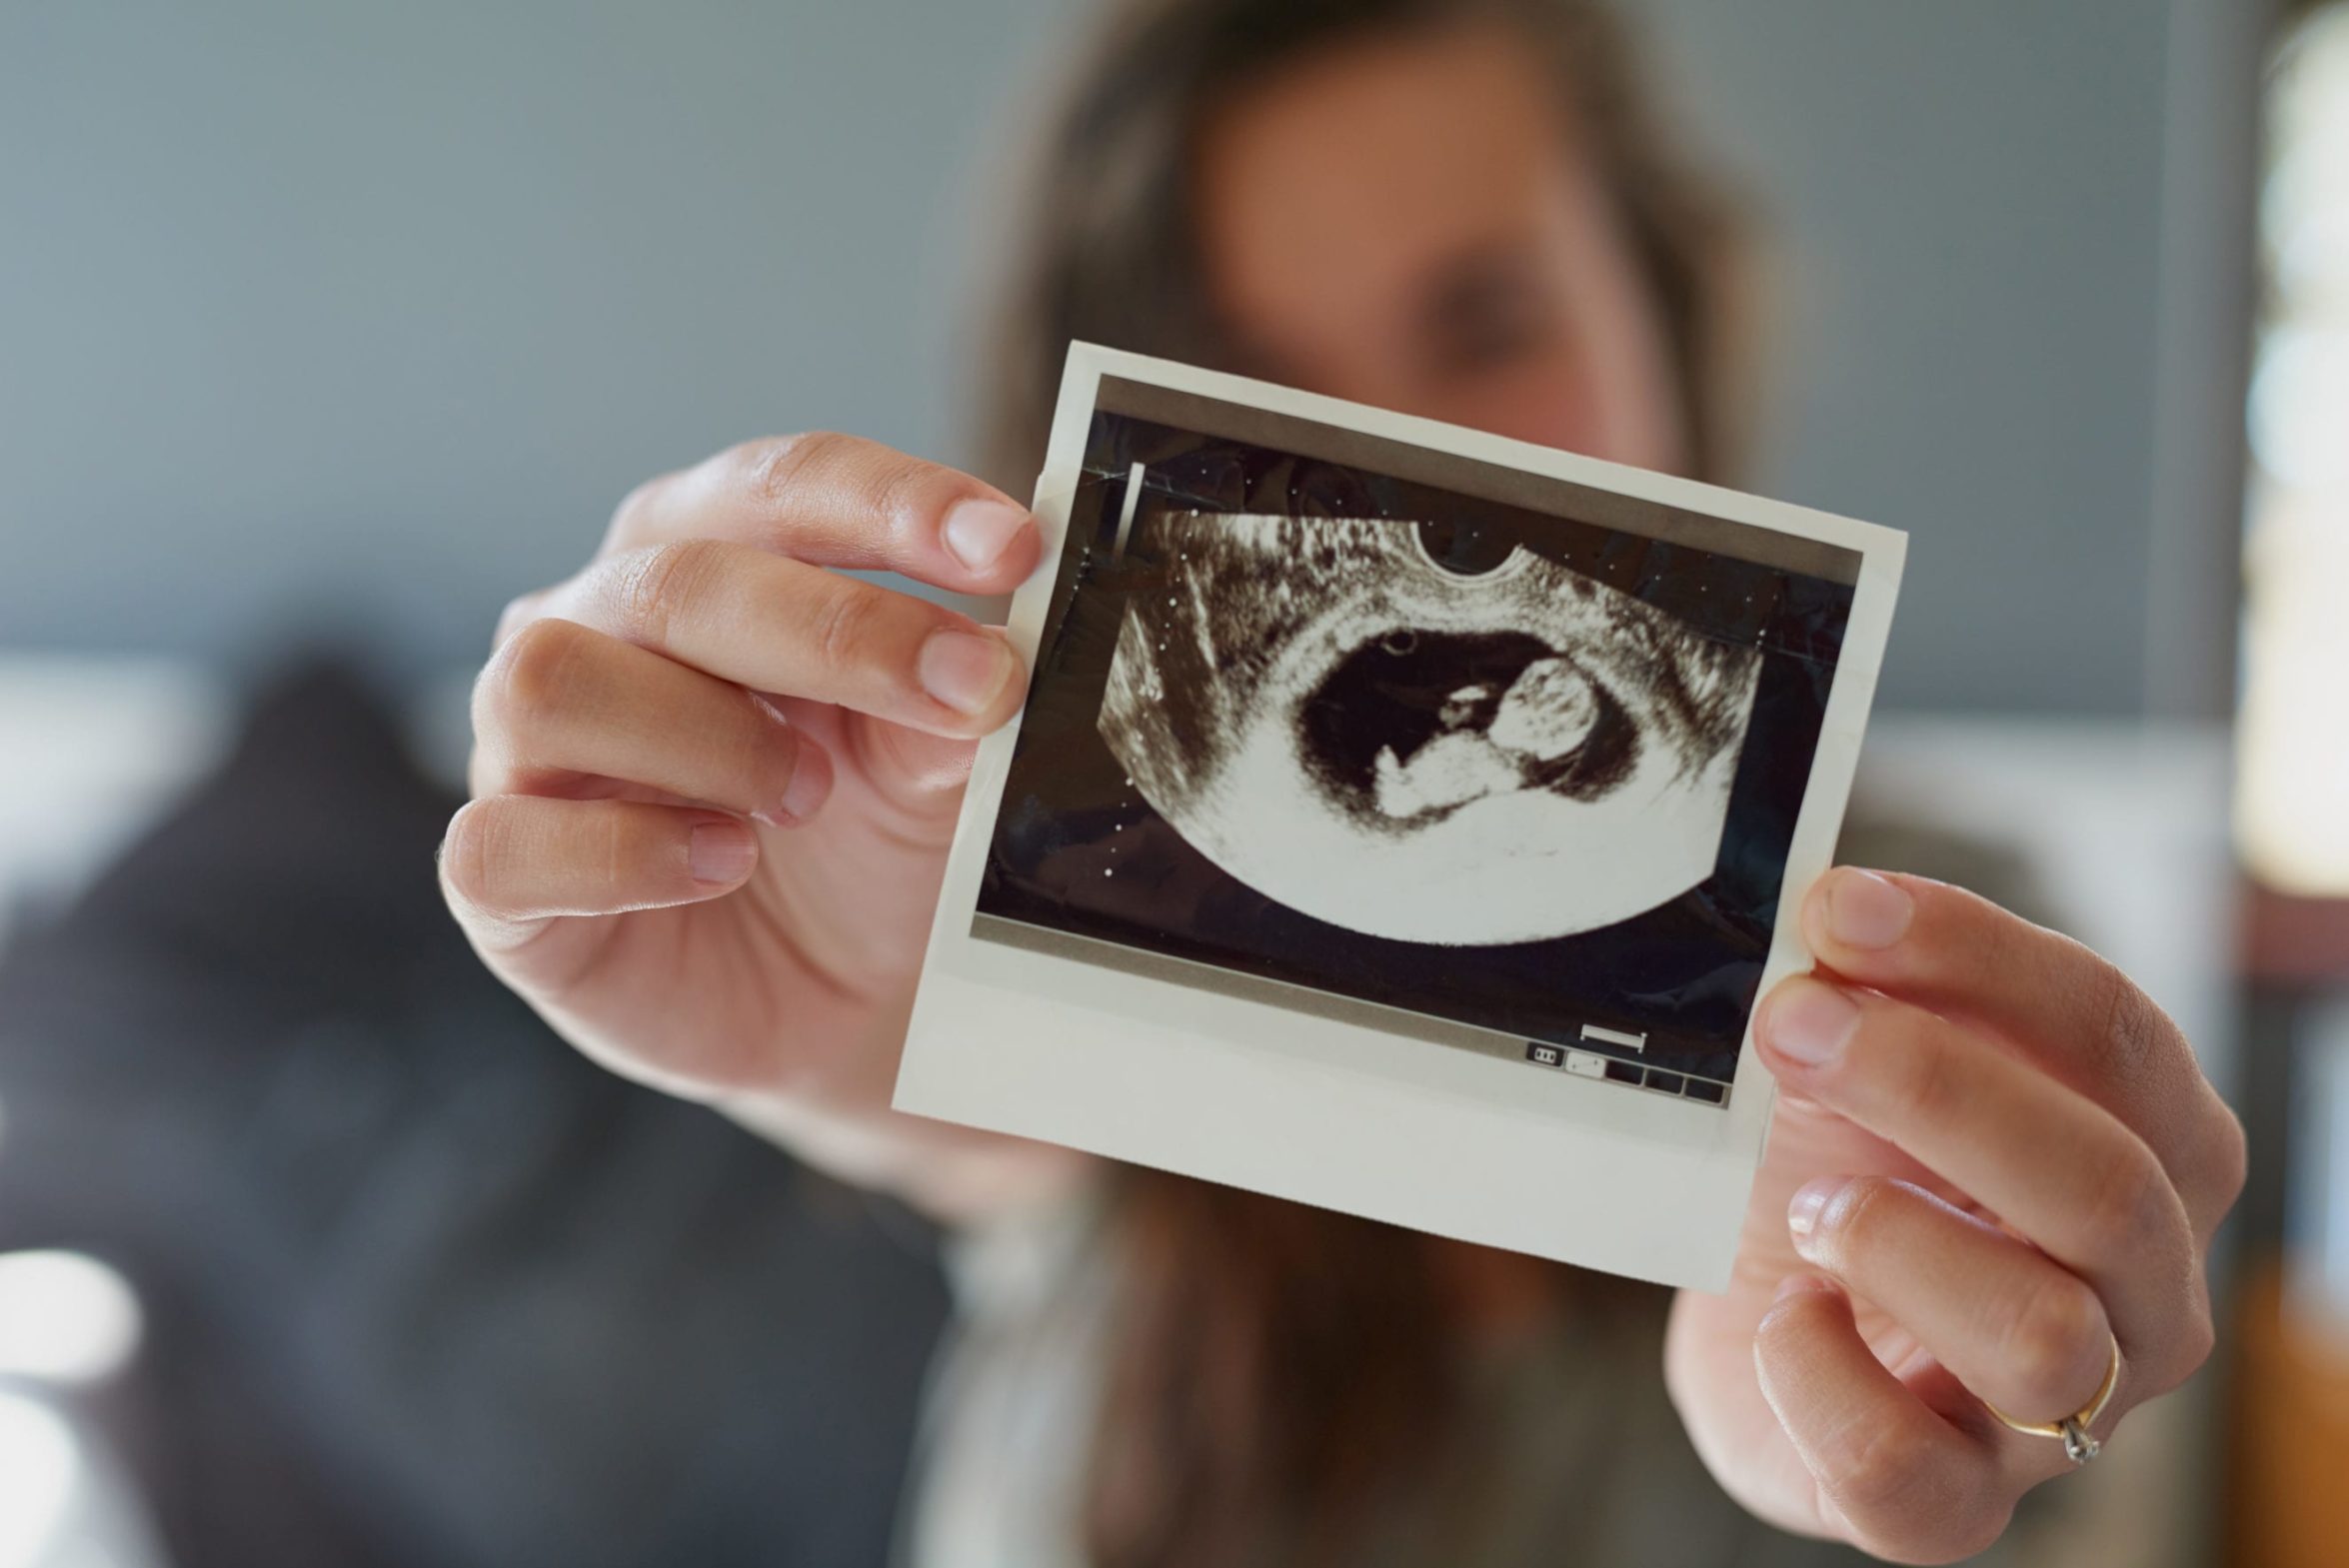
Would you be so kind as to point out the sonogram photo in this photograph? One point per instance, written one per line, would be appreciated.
(1505, 763)
(1398, 747)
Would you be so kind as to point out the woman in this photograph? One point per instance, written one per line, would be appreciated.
(716, 780)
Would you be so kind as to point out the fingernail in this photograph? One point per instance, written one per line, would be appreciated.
(1809, 1022)
(1865, 911)
(809, 789)
(979, 531)
(966, 671)
(721, 853)
(1802, 1214)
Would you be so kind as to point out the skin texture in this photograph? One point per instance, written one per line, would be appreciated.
(715, 786)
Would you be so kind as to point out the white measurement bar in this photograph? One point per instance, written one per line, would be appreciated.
(1125, 514)
(1591, 1031)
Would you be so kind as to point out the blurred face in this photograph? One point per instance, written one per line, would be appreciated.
(1409, 222)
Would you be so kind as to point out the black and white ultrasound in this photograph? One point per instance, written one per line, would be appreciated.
(1370, 738)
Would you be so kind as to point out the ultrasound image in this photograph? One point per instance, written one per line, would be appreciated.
(1405, 750)
(1522, 780)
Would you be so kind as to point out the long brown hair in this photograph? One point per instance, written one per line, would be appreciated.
(1277, 1370)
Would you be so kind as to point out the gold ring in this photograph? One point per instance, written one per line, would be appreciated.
(2079, 1446)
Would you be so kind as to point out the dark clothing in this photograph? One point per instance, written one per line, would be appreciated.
(424, 1287)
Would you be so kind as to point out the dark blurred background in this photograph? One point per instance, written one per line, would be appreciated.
(332, 328)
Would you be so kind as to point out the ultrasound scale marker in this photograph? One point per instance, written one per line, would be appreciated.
(1125, 513)
(1637, 1043)
(1581, 1063)
(1589, 1064)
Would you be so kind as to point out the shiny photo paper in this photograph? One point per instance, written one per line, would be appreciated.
(1402, 820)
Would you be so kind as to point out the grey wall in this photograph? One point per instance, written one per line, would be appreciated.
(359, 318)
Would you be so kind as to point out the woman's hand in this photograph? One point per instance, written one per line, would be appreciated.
(715, 781)
(1992, 1159)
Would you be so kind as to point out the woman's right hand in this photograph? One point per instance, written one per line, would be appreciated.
(715, 781)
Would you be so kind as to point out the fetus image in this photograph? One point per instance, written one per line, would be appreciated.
(1354, 731)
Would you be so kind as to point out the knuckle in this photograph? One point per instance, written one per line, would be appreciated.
(842, 623)
(2053, 1339)
(649, 586)
(776, 468)
(533, 670)
(1883, 1469)
(2131, 1196)
(2132, 1026)
(886, 486)
(1927, 1082)
(900, 487)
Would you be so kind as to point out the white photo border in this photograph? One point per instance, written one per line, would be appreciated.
(1332, 1112)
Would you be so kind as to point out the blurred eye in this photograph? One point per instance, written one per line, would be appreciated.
(1485, 312)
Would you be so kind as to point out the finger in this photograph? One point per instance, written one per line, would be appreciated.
(783, 627)
(1906, 1484)
(919, 773)
(2054, 1165)
(1956, 953)
(511, 862)
(560, 701)
(837, 501)
(2017, 1329)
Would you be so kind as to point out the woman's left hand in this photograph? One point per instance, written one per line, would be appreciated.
(1994, 1159)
